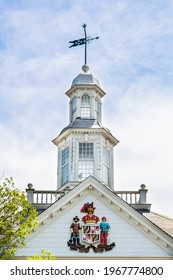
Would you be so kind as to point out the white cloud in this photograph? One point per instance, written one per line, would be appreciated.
(133, 61)
(143, 124)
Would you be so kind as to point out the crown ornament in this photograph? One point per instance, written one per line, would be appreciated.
(90, 218)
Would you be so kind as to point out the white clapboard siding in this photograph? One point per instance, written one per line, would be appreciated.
(55, 233)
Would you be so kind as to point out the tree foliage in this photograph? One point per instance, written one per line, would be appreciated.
(45, 255)
(17, 218)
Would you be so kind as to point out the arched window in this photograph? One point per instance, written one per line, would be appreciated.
(73, 108)
(85, 106)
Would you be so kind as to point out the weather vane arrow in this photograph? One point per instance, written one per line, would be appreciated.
(83, 41)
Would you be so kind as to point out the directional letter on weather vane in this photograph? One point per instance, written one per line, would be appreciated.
(83, 41)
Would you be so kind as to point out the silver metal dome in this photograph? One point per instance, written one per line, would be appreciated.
(85, 77)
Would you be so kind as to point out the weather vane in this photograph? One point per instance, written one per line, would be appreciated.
(83, 41)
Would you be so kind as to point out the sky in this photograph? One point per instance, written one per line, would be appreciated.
(133, 61)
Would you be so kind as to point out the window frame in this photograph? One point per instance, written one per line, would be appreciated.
(85, 106)
(65, 165)
(86, 151)
(73, 107)
(106, 165)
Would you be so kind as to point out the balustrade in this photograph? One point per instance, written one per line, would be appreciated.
(43, 197)
(131, 197)
(49, 197)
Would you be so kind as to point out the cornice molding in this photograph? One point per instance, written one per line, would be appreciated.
(81, 131)
(82, 87)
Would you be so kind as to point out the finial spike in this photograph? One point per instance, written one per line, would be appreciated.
(83, 41)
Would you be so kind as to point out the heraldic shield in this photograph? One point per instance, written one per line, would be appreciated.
(90, 234)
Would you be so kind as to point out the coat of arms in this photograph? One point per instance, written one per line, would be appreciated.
(92, 233)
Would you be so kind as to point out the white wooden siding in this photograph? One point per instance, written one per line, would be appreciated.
(56, 232)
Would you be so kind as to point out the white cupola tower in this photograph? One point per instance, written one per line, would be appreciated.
(85, 146)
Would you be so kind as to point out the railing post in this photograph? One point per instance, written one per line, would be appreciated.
(41, 197)
(143, 194)
(46, 197)
(30, 193)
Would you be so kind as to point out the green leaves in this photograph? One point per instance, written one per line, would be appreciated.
(17, 218)
(45, 255)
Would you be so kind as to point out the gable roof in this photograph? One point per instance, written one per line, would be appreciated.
(163, 222)
(108, 196)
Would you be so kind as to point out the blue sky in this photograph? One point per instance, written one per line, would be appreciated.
(132, 60)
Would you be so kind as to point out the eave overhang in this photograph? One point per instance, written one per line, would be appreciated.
(101, 131)
(69, 93)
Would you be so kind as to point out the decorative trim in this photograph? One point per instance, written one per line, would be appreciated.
(118, 208)
(91, 233)
(80, 194)
(100, 194)
(127, 215)
(86, 249)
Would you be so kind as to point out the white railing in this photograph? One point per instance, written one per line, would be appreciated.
(44, 197)
(131, 197)
(49, 197)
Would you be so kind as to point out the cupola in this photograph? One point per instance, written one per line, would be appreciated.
(85, 146)
(85, 97)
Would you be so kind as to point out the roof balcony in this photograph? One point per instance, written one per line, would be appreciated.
(42, 199)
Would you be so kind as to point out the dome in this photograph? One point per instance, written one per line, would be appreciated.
(85, 77)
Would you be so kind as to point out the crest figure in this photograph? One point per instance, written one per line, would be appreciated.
(95, 235)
